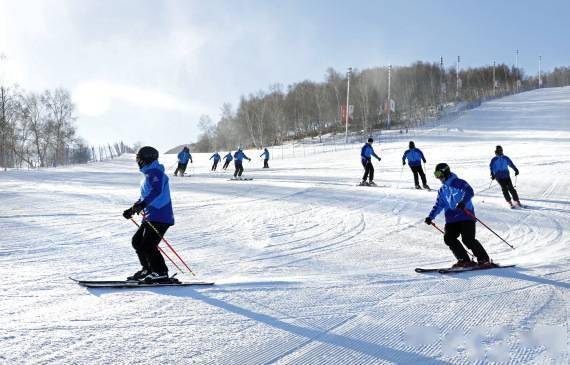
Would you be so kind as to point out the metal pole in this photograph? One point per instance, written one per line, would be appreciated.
(494, 82)
(539, 72)
(348, 73)
(517, 70)
(389, 97)
(457, 77)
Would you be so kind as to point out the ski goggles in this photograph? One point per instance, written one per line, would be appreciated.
(438, 174)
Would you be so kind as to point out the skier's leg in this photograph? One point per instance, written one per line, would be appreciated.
(415, 172)
(468, 238)
(236, 165)
(505, 189)
(137, 242)
(371, 169)
(150, 241)
(452, 232)
(422, 175)
(512, 190)
(365, 165)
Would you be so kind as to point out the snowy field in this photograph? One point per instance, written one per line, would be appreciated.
(309, 268)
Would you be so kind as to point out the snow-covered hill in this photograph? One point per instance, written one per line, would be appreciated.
(309, 268)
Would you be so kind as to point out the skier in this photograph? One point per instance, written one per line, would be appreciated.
(415, 157)
(454, 197)
(217, 158)
(239, 156)
(500, 170)
(156, 208)
(265, 155)
(366, 158)
(183, 157)
(228, 159)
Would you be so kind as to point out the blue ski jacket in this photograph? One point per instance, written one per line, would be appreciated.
(216, 157)
(415, 157)
(500, 167)
(155, 194)
(239, 155)
(452, 192)
(228, 157)
(265, 154)
(366, 152)
(183, 157)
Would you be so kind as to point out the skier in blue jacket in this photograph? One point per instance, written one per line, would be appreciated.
(454, 197)
(415, 157)
(183, 157)
(239, 156)
(500, 171)
(156, 207)
(217, 158)
(366, 154)
(228, 159)
(265, 156)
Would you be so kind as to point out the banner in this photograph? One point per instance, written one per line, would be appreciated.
(343, 113)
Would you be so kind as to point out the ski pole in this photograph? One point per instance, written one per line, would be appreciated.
(436, 227)
(400, 179)
(171, 248)
(490, 185)
(486, 226)
(161, 250)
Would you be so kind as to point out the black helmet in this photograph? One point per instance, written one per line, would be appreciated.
(146, 155)
(370, 140)
(498, 150)
(412, 144)
(442, 170)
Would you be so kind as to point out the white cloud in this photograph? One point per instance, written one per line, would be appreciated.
(96, 97)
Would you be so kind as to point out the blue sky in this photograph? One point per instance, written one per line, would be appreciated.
(144, 70)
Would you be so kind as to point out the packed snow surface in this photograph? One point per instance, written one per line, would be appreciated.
(309, 268)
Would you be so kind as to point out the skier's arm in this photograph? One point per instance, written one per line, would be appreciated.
(190, 155)
(512, 165)
(374, 154)
(468, 194)
(438, 207)
(422, 154)
(155, 181)
(491, 168)
(404, 158)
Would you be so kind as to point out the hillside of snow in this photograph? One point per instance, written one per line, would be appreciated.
(309, 268)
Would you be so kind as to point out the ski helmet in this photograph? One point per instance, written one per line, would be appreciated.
(442, 170)
(412, 144)
(370, 140)
(498, 150)
(146, 155)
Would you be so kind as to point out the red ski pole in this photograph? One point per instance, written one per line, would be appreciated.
(171, 248)
(436, 227)
(486, 226)
(161, 250)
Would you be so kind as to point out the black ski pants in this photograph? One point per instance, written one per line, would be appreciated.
(226, 164)
(181, 168)
(507, 187)
(145, 242)
(417, 170)
(368, 170)
(215, 165)
(266, 163)
(239, 168)
(467, 231)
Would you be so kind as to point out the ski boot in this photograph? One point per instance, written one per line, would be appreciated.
(154, 277)
(463, 264)
(418, 187)
(426, 186)
(486, 264)
(363, 183)
(372, 183)
(139, 275)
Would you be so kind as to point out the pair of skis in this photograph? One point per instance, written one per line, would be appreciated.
(453, 270)
(136, 283)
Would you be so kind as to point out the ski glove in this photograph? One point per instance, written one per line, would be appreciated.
(403, 163)
(492, 177)
(460, 205)
(138, 207)
(128, 213)
(516, 172)
(379, 159)
(428, 221)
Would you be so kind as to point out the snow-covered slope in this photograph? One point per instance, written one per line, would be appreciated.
(309, 268)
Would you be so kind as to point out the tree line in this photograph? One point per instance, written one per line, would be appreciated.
(38, 130)
(311, 109)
